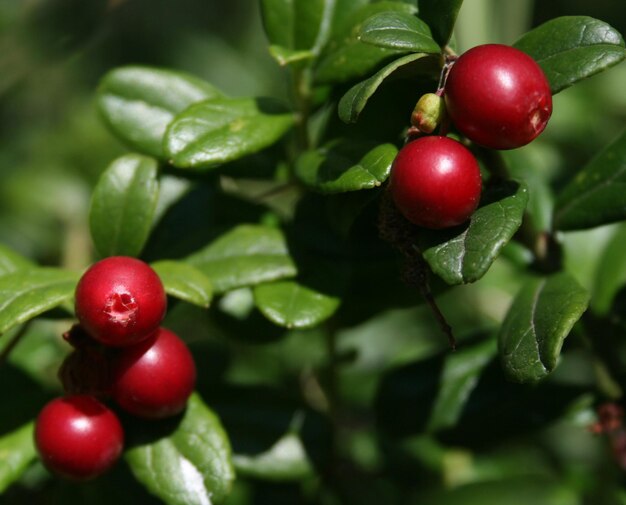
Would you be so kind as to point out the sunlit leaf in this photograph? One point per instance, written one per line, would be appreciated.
(191, 465)
(398, 30)
(245, 256)
(28, 293)
(293, 305)
(571, 48)
(138, 103)
(346, 166)
(345, 56)
(215, 131)
(185, 282)
(123, 205)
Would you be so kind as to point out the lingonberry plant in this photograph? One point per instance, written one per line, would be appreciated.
(390, 259)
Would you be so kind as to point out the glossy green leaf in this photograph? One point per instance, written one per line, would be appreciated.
(185, 282)
(244, 256)
(346, 57)
(215, 131)
(28, 293)
(441, 16)
(610, 273)
(572, 48)
(189, 466)
(292, 305)
(346, 166)
(597, 195)
(458, 379)
(541, 316)
(123, 205)
(398, 30)
(17, 452)
(10, 261)
(354, 101)
(464, 254)
(137, 103)
(286, 460)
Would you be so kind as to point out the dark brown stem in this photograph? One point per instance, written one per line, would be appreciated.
(402, 235)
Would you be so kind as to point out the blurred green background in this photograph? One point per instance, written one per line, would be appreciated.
(53, 148)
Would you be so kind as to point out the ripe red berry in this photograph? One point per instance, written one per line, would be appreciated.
(154, 378)
(435, 182)
(78, 437)
(498, 96)
(120, 301)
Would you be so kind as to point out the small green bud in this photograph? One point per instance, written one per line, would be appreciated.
(428, 113)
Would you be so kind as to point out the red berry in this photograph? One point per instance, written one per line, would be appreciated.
(435, 182)
(154, 378)
(498, 96)
(78, 437)
(120, 301)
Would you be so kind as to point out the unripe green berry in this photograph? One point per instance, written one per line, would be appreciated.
(428, 113)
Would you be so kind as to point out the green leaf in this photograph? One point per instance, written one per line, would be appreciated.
(296, 29)
(353, 102)
(288, 56)
(286, 460)
(458, 379)
(541, 316)
(441, 16)
(346, 57)
(137, 103)
(10, 261)
(398, 30)
(463, 254)
(610, 273)
(185, 282)
(244, 256)
(572, 48)
(346, 166)
(28, 293)
(123, 205)
(292, 305)
(597, 195)
(215, 131)
(17, 452)
(189, 466)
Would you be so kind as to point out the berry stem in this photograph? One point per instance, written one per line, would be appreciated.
(395, 229)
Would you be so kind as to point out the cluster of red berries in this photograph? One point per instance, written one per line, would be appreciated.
(496, 96)
(120, 353)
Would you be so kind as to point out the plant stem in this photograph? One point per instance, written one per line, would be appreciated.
(301, 89)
